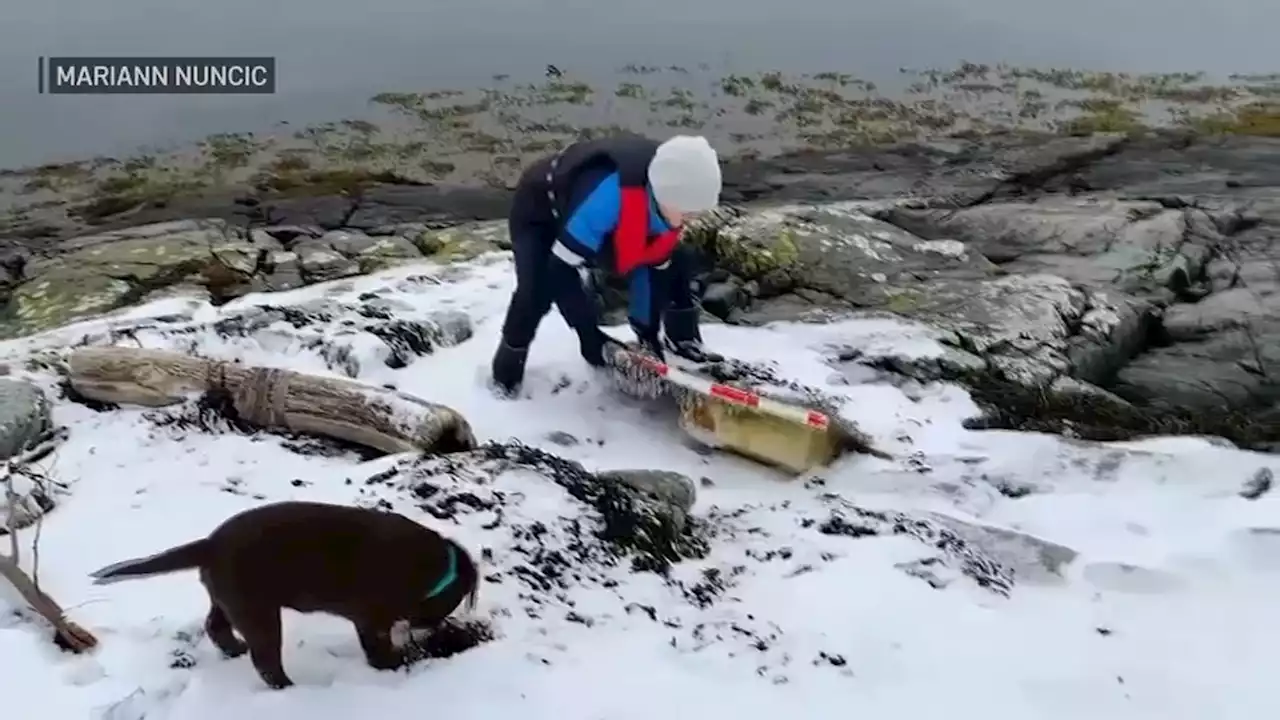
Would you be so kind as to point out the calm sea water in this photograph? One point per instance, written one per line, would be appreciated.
(332, 56)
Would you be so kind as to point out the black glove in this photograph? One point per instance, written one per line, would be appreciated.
(693, 351)
(649, 341)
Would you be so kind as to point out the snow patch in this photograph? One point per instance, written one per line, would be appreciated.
(910, 588)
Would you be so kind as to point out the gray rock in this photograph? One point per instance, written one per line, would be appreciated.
(1016, 160)
(390, 307)
(96, 273)
(1043, 259)
(383, 206)
(1225, 311)
(1074, 388)
(676, 492)
(1205, 168)
(1030, 328)
(1258, 485)
(562, 438)
(24, 418)
(409, 339)
(837, 249)
(348, 243)
(1225, 349)
(285, 235)
(950, 172)
(327, 212)
(344, 253)
(1221, 361)
(340, 357)
(723, 298)
(455, 326)
(404, 230)
(280, 271)
(330, 329)
(319, 262)
(1074, 291)
(263, 240)
(1136, 247)
(1032, 559)
(386, 252)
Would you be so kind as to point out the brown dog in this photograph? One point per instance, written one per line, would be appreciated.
(371, 567)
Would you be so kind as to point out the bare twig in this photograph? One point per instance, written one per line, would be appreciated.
(35, 553)
(35, 550)
(67, 634)
(11, 499)
(43, 482)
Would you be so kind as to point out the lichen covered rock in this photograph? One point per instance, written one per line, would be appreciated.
(834, 248)
(102, 272)
(463, 242)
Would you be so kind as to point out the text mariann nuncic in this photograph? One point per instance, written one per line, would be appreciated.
(157, 75)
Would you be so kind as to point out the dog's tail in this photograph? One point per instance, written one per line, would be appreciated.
(183, 557)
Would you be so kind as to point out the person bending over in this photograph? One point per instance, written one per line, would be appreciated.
(616, 204)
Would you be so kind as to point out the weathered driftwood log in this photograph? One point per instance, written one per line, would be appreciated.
(273, 398)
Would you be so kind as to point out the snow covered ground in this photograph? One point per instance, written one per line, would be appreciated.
(1167, 611)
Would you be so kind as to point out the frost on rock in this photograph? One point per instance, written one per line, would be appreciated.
(1032, 558)
(954, 551)
(620, 520)
(837, 249)
(1132, 246)
(1032, 331)
(675, 491)
(1028, 298)
(24, 422)
(501, 490)
(555, 539)
(336, 331)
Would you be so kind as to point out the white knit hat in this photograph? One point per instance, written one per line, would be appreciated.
(684, 174)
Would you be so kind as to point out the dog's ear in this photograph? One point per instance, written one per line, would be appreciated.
(473, 596)
(474, 573)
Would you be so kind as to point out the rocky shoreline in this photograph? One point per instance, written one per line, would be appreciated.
(1107, 286)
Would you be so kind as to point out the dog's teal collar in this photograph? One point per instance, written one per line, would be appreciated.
(449, 576)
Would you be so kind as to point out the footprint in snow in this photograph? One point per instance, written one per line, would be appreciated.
(1257, 547)
(1132, 579)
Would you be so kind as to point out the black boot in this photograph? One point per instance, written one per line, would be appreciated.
(508, 367)
(591, 343)
(684, 338)
(594, 344)
(682, 325)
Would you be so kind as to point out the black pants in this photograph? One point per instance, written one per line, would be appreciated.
(542, 280)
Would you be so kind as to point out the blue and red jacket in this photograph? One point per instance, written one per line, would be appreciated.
(608, 218)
